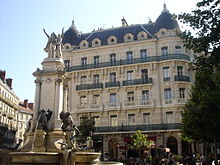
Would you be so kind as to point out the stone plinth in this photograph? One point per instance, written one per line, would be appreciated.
(35, 158)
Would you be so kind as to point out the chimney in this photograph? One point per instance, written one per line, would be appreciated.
(9, 82)
(26, 103)
(2, 75)
(31, 105)
(124, 22)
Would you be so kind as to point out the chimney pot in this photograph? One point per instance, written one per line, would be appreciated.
(9, 82)
(2, 75)
(26, 103)
(31, 105)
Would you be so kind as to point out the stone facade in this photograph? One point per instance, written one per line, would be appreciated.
(134, 77)
(8, 112)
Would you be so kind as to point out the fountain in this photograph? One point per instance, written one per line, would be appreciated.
(51, 136)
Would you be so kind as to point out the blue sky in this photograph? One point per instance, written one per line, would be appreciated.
(22, 39)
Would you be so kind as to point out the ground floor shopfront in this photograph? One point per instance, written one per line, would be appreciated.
(116, 144)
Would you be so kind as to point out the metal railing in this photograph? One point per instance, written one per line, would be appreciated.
(137, 82)
(112, 84)
(129, 61)
(147, 127)
(182, 78)
(89, 86)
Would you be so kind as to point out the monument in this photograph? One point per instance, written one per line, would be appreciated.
(51, 136)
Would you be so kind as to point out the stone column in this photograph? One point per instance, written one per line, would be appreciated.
(58, 103)
(37, 98)
(65, 89)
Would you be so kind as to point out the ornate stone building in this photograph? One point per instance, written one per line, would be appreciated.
(25, 113)
(8, 112)
(129, 78)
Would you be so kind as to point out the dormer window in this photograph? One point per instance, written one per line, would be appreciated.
(84, 44)
(96, 42)
(112, 40)
(128, 37)
(67, 46)
(142, 35)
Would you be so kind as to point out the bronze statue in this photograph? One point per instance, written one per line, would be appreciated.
(44, 117)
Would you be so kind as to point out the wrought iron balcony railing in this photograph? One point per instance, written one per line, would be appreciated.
(137, 82)
(128, 61)
(89, 86)
(147, 127)
(182, 78)
(112, 84)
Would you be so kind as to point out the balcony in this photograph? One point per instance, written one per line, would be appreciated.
(89, 86)
(89, 108)
(112, 84)
(166, 79)
(182, 78)
(112, 106)
(127, 62)
(137, 82)
(137, 104)
(148, 127)
(8, 101)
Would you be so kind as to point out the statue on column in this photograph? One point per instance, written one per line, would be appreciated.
(54, 44)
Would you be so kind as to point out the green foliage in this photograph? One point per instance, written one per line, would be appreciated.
(205, 20)
(201, 115)
(87, 125)
(140, 140)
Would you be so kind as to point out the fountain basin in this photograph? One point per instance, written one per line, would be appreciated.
(35, 158)
(110, 163)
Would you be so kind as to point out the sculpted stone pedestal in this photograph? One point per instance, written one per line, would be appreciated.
(39, 141)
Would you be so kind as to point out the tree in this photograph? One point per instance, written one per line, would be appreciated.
(200, 120)
(87, 126)
(140, 140)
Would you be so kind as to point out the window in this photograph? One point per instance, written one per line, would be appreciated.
(83, 80)
(167, 94)
(169, 117)
(129, 75)
(83, 100)
(84, 61)
(179, 70)
(146, 118)
(96, 60)
(21, 117)
(144, 74)
(166, 74)
(113, 98)
(145, 95)
(129, 56)
(113, 77)
(130, 96)
(164, 50)
(96, 99)
(113, 120)
(143, 53)
(97, 120)
(131, 119)
(96, 78)
(113, 59)
(182, 93)
(178, 49)
(67, 63)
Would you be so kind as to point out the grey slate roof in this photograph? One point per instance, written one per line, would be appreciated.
(165, 20)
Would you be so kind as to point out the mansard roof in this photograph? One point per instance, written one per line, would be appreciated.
(165, 20)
